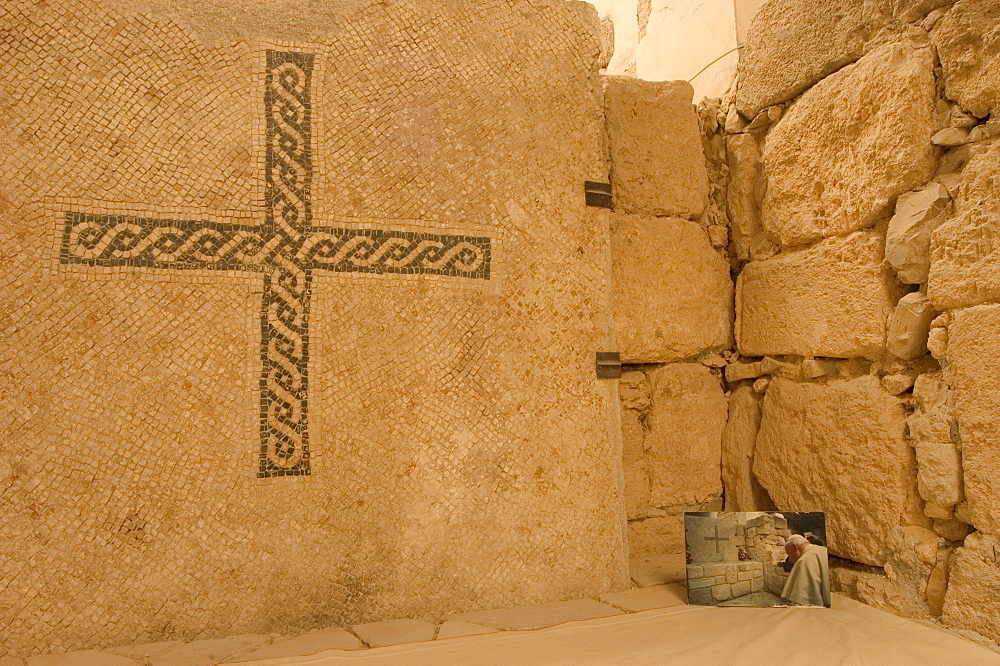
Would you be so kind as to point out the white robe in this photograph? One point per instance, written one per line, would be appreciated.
(809, 582)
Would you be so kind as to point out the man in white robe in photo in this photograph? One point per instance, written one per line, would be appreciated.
(808, 583)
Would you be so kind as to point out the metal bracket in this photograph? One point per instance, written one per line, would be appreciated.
(609, 365)
(598, 194)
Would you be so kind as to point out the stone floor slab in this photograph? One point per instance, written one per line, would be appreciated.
(456, 628)
(82, 658)
(647, 598)
(538, 616)
(394, 632)
(210, 651)
(332, 638)
(143, 650)
(658, 569)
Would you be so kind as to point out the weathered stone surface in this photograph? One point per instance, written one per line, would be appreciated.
(767, 366)
(742, 491)
(633, 392)
(909, 326)
(839, 448)
(869, 586)
(656, 323)
(526, 618)
(684, 443)
(457, 628)
(934, 435)
(828, 300)
(394, 632)
(792, 44)
(850, 145)
(913, 558)
(914, 10)
(950, 529)
(965, 250)
(745, 170)
(973, 372)
(908, 240)
(208, 651)
(646, 598)
(656, 535)
(333, 638)
(968, 42)
(82, 658)
(973, 598)
(657, 160)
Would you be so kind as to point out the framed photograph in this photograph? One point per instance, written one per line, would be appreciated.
(762, 559)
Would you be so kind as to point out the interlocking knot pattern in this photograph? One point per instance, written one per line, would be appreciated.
(287, 248)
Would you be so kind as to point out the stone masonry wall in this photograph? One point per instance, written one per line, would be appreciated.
(862, 144)
(300, 310)
(664, 235)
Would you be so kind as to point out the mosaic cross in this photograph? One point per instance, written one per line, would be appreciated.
(287, 248)
(716, 539)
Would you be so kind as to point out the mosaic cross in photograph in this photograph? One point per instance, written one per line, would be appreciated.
(287, 248)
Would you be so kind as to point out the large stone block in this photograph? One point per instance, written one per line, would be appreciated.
(934, 435)
(839, 448)
(973, 372)
(965, 250)
(672, 291)
(657, 160)
(908, 239)
(684, 443)
(792, 44)
(909, 326)
(854, 142)
(746, 172)
(828, 300)
(968, 43)
(633, 392)
(973, 598)
(743, 492)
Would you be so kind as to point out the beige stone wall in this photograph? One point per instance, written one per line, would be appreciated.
(673, 303)
(863, 202)
(461, 452)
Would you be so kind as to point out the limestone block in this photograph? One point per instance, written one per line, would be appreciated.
(457, 628)
(973, 598)
(745, 171)
(851, 145)
(968, 43)
(657, 160)
(648, 598)
(869, 586)
(702, 597)
(80, 658)
(740, 588)
(528, 618)
(684, 443)
(672, 292)
(914, 10)
(913, 556)
(909, 326)
(743, 492)
(908, 240)
(950, 529)
(722, 592)
(792, 44)
(934, 435)
(394, 632)
(828, 300)
(839, 448)
(965, 250)
(214, 650)
(333, 638)
(973, 372)
(633, 392)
